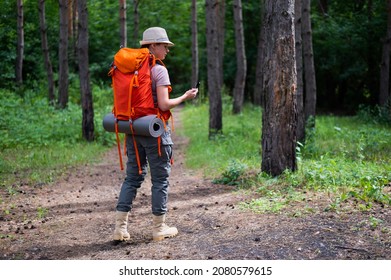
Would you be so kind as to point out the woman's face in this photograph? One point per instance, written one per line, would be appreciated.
(160, 50)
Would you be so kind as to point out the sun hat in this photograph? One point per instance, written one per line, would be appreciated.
(155, 35)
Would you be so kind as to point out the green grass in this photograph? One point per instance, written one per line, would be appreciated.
(39, 142)
(346, 158)
(239, 142)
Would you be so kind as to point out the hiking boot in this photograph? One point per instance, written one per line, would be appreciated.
(121, 224)
(161, 230)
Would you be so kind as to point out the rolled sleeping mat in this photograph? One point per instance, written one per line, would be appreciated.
(145, 126)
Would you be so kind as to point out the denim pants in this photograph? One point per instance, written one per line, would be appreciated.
(160, 168)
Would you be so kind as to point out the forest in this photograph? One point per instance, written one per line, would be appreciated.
(334, 58)
(292, 120)
(348, 39)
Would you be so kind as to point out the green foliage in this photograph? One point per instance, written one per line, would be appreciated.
(376, 114)
(42, 212)
(346, 42)
(39, 142)
(345, 54)
(232, 175)
(346, 158)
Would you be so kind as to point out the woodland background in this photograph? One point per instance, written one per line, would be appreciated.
(62, 50)
(348, 38)
(54, 94)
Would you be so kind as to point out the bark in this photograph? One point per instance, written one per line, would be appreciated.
(194, 44)
(299, 69)
(72, 33)
(384, 95)
(213, 67)
(372, 59)
(220, 34)
(136, 21)
(20, 44)
(45, 51)
(258, 88)
(63, 74)
(309, 68)
(279, 118)
(240, 80)
(122, 23)
(84, 74)
(71, 13)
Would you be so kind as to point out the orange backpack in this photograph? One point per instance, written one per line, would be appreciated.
(132, 89)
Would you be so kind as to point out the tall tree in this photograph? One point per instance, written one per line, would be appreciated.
(84, 74)
(279, 115)
(213, 68)
(220, 18)
(20, 44)
(309, 68)
(299, 68)
(136, 21)
(194, 43)
(258, 87)
(72, 33)
(384, 95)
(372, 59)
(323, 6)
(122, 24)
(63, 74)
(45, 51)
(241, 70)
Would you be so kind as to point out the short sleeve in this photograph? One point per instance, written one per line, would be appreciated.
(160, 76)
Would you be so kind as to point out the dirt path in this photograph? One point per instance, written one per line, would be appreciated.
(74, 219)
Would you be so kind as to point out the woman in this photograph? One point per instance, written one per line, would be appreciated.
(156, 40)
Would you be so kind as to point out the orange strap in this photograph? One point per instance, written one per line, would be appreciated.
(118, 146)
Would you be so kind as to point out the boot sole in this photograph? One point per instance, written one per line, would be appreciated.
(121, 238)
(162, 237)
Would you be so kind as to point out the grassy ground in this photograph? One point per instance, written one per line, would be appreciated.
(345, 156)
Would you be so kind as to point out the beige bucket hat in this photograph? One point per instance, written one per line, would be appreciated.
(155, 35)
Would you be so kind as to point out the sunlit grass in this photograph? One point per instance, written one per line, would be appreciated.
(236, 143)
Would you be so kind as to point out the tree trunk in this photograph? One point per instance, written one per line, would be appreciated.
(194, 44)
(213, 67)
(72, 34)
(84, 74)
(45, 51)
(136, 21)
(323, 7)
(372, 59)
(20, 44)
(122, 23)
(279, 118)
(240, 80)
(220, 34)
(309, 68)
(384, 95)
(258, 88)
(299, 68)
(63, 56)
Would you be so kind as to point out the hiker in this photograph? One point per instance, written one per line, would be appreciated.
(156, 40)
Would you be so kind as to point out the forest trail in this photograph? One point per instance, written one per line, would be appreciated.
(73, 219)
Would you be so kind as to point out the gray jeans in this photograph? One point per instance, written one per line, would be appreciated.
(160, 168)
